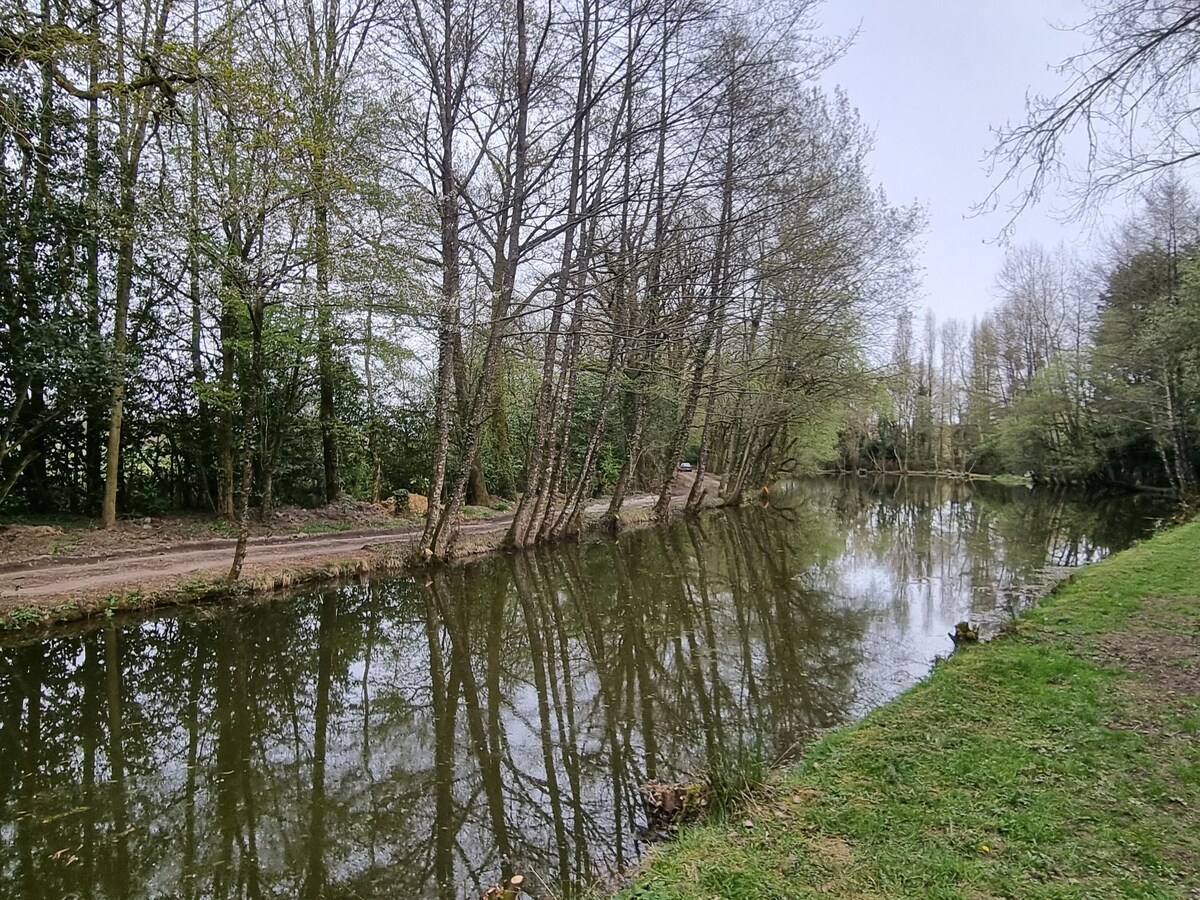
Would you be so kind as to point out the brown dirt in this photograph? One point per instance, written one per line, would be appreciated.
(68, 573)
(141, 568)
(1160, 644)
(83, 539)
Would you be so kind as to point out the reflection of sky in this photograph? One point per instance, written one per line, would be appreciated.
(895, 651)
(948, 560)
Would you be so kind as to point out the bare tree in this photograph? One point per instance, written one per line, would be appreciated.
(1127, 100)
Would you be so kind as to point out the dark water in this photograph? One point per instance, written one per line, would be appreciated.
(417, 737)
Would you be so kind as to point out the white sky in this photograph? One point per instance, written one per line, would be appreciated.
(931, 77)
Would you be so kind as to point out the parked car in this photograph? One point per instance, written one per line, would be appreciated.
(685, 467)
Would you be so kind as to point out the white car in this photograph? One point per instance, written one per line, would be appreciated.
(685, 467)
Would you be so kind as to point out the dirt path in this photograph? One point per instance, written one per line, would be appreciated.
(131, 570)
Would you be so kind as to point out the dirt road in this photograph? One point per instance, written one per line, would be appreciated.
(132, 570)
(129, 569)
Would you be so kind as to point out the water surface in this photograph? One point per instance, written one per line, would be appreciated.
(421, 737)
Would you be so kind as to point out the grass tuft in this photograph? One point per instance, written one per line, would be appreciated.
(733, 776)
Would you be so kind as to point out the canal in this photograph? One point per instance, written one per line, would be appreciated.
(420, 736)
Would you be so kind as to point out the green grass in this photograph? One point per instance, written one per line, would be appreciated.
(334, 526)
(732, 779)
(223, 528)
(64, 547)
(323, 526)
(1039, 765)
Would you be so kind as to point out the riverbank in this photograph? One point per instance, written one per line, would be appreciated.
(43, 591)
(1008, 480)
(1060, 760)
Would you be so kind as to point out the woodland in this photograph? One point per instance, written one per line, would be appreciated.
(1087, 372)
(258, 252)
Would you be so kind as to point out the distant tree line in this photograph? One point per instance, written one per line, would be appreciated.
(258, 252)
(1082, 374)
(1085, 373)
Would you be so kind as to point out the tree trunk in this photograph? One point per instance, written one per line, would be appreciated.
(372, 413)
(326, 365)
(717, 286)
(448, 317)
(203, 436)
(251, 378)
(696, 494)
(503, 285)
(648, 310)
(225, 487)
(569, 517)
(632, 454)
(124, 285)
(94, 417)
(520, 533)
(1185, 473)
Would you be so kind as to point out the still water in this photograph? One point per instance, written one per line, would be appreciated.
(420, 737)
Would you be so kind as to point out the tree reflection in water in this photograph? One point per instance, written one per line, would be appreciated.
(431, 735)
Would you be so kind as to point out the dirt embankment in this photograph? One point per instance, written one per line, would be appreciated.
(50, 574)
(71, 539)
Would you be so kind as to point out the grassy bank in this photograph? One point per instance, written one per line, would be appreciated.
(1059, 761)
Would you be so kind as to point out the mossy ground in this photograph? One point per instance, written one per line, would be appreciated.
(1059, 761)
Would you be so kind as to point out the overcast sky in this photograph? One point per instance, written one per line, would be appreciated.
(931, 77)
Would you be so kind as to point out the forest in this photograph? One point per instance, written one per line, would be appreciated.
(261, 252)
(1086, 372)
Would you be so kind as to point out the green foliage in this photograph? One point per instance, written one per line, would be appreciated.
(1052, 383)
(215, 245)
(23, 617)
(1044, 430)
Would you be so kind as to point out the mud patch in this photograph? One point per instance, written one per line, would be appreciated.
(1162, 644)
(831, 850)
(668, 805)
